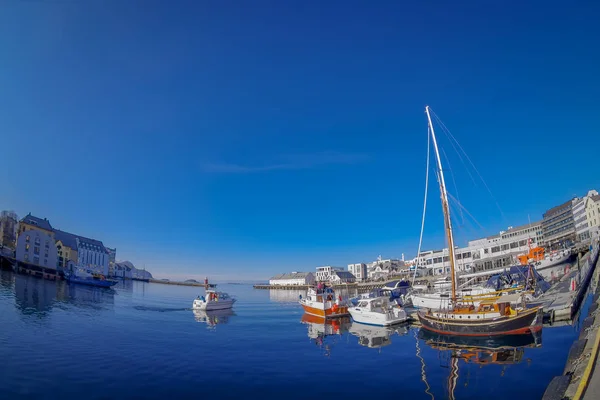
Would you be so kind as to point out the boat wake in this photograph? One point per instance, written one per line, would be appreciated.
(160, 309)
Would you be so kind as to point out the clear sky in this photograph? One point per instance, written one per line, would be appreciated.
(238, 139)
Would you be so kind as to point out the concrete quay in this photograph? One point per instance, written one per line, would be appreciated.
(562, 302)
(581, 378)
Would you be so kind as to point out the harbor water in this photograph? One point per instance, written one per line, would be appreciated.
(142, 340)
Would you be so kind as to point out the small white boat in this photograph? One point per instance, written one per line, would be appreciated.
(213, 300)
(377, 311)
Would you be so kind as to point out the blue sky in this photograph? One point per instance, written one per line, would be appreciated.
(242, 139)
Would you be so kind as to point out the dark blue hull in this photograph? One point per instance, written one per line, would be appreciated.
(92, 282)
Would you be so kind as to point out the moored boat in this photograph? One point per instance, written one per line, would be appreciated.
(377, 311)
(84, 277)
(491, 317)
(323, 302)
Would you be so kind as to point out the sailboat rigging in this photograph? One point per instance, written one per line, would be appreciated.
(494, 316)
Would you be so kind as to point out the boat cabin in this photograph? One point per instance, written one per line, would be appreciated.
(378, 304)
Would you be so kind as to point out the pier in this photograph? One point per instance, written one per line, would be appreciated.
(581, 376)
(563, 300)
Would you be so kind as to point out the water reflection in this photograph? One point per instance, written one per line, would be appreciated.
(34, 295)
(325, 333)
(213, 318)
(376, 336)
(85, 296)
(285, 296)
(503, 351)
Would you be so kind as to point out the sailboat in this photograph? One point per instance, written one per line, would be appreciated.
(491, 317)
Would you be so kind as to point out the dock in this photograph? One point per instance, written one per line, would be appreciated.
(581, 376)
(355, 286)
(199, 284)
(563, 300)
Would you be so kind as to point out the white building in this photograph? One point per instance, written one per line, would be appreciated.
(123, 270)
(324, 273)
(359, 270)
(293, 279)
(583, 224)
(37, 248)
(486, 253)
(338, 277)
(592, 210)
(92, 255)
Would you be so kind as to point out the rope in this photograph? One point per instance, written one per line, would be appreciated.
(447, 131)
(424, 206)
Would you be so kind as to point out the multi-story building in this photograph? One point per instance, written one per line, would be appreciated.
(124, 270)
(559, 224)
(92, 255)
(486, 253)
(592, 210)
(112, 255)
(66, 245)
(8, 229)
(30, 222)
(359, 270)
(342, 277)
(324, 274)
(36, 247)
(293, 279)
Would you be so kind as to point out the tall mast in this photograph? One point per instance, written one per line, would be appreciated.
(445, 207)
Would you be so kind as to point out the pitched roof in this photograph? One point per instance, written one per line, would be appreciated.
(42, 223)
(344, 274)
(291, 275)
(92, 244)
(68, 239)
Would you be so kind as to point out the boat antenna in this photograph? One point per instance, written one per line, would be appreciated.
(445, 208)
(424, 210)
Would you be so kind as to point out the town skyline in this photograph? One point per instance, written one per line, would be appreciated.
(199, 142)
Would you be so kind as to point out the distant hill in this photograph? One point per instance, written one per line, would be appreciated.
(137, 273)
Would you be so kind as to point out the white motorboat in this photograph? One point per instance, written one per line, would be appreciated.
(377, 311)
(213, 300)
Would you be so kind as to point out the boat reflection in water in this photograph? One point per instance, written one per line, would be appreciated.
(376, 337)
(501, 350)
(213, 318)
(325, 332)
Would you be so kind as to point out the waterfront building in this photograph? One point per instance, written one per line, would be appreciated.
(559, 224)
(36, 247)
(359, 270)
(112, 255)
(293, 279)
(491, 252)
(383, 268)
(123, 269)
(338, 277)
(325, 273)
(92, 255)
(29, 222)
(8, 229)
(66, 246)
(592, 210)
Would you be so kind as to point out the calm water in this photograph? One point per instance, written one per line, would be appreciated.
(142, 340)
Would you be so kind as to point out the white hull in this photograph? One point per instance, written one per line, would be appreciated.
(551, 261)
(213, 305)
(395, 315)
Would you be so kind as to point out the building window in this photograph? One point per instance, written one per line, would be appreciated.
(37, 241)
(45, 261)
(36, 260)
(46, 255)
(27, 238)
(26, 257)
(27, 247)
(36, 250)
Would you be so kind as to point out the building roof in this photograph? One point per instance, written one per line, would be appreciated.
(92, 244)
(595, 198)
(521, 227)
(556, 209)
(291, 275)
(344, 274)
(42, 223)
(67, 239)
